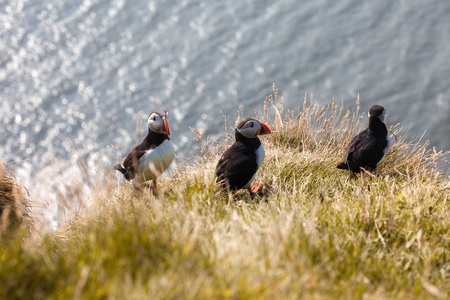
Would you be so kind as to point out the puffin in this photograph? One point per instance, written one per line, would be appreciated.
(148, 160)
(368, 148)
(238, 165)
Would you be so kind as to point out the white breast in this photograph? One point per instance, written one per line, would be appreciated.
(389, 144)
(156, 161)
(260, 154)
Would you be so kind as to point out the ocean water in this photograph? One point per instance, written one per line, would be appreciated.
(75, 76)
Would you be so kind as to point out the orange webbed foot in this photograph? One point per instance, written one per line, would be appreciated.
(255, 188)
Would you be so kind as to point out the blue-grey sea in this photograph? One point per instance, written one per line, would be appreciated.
(75, 76)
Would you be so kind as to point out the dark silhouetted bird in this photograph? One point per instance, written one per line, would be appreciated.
(367, 148)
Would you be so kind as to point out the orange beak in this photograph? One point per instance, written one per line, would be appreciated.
(166, 126)
(264, 129)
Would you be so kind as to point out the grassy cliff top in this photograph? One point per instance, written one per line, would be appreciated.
(316, 232)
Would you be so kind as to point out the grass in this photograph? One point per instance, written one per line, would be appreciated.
(317, 232)
(14, 205)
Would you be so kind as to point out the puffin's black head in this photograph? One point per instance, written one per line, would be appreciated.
(157, 122)
(377, 111)
(251, 128)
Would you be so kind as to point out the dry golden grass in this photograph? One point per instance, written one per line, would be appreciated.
(316, 232)
(14, 204)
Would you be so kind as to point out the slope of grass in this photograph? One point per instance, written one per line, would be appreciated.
(316, 232)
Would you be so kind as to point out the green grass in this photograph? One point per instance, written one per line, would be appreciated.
(316, 232)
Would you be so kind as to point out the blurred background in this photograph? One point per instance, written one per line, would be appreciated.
(75, 76)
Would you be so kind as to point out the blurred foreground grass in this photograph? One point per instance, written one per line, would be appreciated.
(317, 232)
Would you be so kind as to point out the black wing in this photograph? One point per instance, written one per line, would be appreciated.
(368, 154)
(352, 147)
(130, 164)
(236, 167)
(364, 150)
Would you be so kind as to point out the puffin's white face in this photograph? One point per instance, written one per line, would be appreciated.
(382, 116)
(158, 124)
(253, 128)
